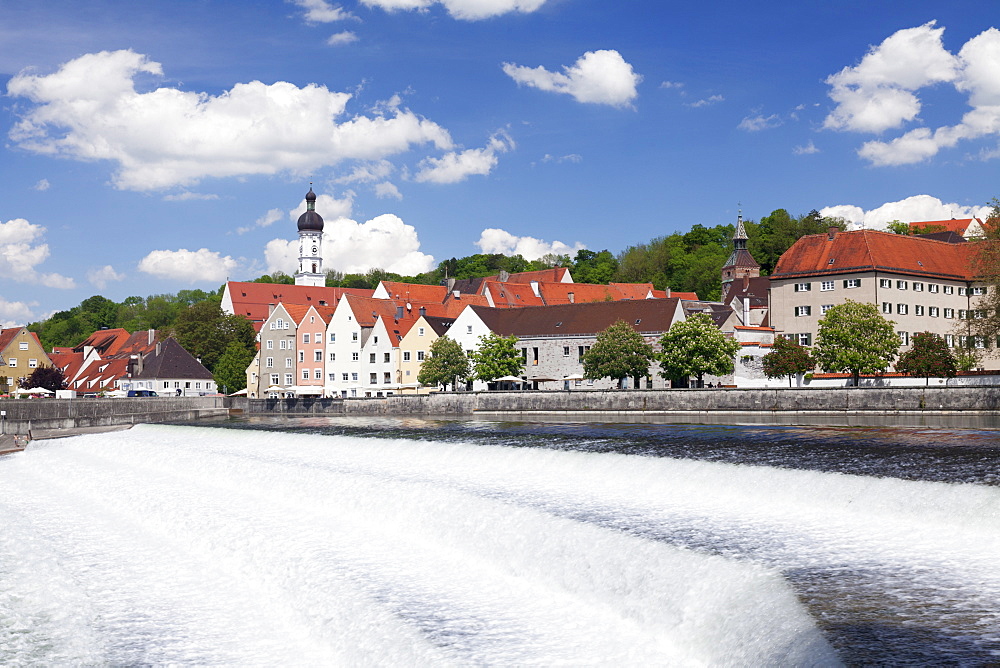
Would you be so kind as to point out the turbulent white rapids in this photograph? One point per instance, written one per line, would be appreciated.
(213, 546)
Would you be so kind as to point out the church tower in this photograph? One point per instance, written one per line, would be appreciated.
(310, 245)
(740, 265)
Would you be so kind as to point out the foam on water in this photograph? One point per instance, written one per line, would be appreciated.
(170, 544)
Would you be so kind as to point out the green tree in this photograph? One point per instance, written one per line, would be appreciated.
(787, 358)
(898, 227)
(854, 337)
(231, 369)
(447, 364)
(694, 347)
(205, 332)
(591, 267)
(618, 352)
(928, 356)
(496, 357)
(49, 377)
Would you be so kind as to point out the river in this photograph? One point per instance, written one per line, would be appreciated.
(412, 541)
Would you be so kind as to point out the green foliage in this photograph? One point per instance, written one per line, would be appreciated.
(967, 360)
(49, 377)
(618, 352)
(231, 369)
(854, 337)
(929, 355)
(774, 234)
(496, 357)
(591, 267)
(690, 262)
(898, 227)
(278, 277)
(205, 332)
(787, 358)
(445, 365)
(694, 347)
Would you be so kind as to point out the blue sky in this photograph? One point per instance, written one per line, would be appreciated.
(152, 147)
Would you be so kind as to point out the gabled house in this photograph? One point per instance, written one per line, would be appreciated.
(276, 363)
(168, 370)
(415, 347)
(255, 300)
(20, 353)
(967, 228)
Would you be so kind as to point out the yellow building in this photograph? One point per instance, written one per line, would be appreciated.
(20, 353)
(414, 347)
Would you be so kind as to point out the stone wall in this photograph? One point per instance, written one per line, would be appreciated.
(770, 400)
(24, 415)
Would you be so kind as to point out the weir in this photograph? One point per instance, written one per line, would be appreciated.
(175, 544)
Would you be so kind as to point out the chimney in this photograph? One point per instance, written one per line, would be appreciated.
(534, 288)
(151, 336)
(831, 232)
(572, 298)
(746, 310)
(504, 276)
(457, 294)
(423, 311)
(451, 284)
(270, 309)
(668, 292)
(157, 348)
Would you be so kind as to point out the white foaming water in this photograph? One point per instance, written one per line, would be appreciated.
(212, 546)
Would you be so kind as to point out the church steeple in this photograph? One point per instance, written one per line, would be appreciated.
(740, 265)
(310, 226)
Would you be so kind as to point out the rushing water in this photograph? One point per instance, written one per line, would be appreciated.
(421, 542)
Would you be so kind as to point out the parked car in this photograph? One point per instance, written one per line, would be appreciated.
(141, 393)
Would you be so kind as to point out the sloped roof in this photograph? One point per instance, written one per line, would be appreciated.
(170, 360)
(251, 299)
(755, 289)
(106, 342)
(870, 250)
(646, 315)
(439, 325)
(559, 293)
(957, 225)
(506, 295)
(415, 292)
(633, 290)
(139, 343)
(553, 275)
(102, 373)
(68, 361)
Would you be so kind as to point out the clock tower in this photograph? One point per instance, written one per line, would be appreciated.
(310, 245)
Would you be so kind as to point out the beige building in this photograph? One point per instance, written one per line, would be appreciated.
(922, 285)
(415, 347)
(20, 353)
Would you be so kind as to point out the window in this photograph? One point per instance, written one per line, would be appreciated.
(933, 287)
(385, 358)
(23, 345)
(978, 314)
(901, 309)
(371, 358)
(305, 374)
(318, 355)
(274, 380)
(420, 331)
(270, 344)
(565, 351)
(344, 377)
(852, 283)
(32, 364)
(933, 311)
(283, 344)
(918, 287)
(886, 307)
(289, 379)
(279, 324)
(333, 377)
(373, 379)
(386, 378)
(900, 285)
(354, 336)
(805, 339)
(803, 310)
(826, 286)
(979, 291)
(288, 362)
(962, 314)
(302, 356)
(333, 337)
(962, 292)
(918, 310)
(949, 289)
(949, 313)
(406, 355)
(963, 341)
(824, 308)
(354, 357)
(375, 341)
(420, 355)
(803, 287)
(269, 363)
(317, 374)
(305, 338)
(884, 283)
(979, 341)
(333, 357)
(534, 356)
(468, 329)
(12, 361)
(904, 338)
(950, 340)
(318, 338)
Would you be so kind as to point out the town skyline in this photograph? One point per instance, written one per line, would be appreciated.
(170, 147)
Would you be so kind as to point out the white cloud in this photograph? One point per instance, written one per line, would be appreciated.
(384, 242)
(672, 84)
(20, 255)
(913, 209)
(100, 278)
(598, 77)
(759, 122)
(387, 190)
(879, 94)
(15, 314)
(341, 38)
(321, 11)
(467, 10)
(90, 110)
(570, 157)
(200, 266)
(494, 240)
(808, 149)
(368, 172)
(43, 185)
(268, 219)
(708, 101)
(189, 197)
(457, 166)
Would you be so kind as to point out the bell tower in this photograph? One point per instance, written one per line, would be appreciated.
(740, 265)
(310, 245)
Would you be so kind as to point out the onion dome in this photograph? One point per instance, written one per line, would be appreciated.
(310, 220)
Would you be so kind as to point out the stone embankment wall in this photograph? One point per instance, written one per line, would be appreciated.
(791, 400)
(28, 415)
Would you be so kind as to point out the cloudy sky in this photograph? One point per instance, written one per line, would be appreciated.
(157, 146)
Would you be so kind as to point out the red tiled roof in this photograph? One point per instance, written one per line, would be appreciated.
(558, 293)
(415, 292)
(633, 290)
(251, 299)
(553, 275)
(870, 250)
(956, 225)
(644, 315)
(7, 335)
(506, 295)
(106, 341)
